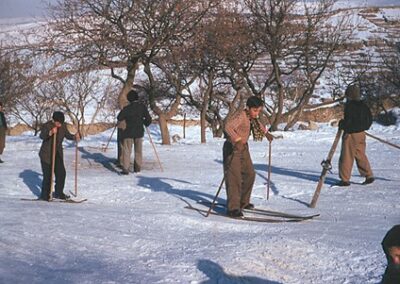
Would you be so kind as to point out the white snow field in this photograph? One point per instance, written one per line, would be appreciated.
(135, 228)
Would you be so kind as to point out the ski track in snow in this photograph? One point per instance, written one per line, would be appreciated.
(135, 229)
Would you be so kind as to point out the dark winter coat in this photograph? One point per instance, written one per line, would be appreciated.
(392, 272)
(3, 120)
(46, 148)
(135, 115)
(357, 117)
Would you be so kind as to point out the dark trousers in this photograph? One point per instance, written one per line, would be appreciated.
(239, 176)
(59, 173)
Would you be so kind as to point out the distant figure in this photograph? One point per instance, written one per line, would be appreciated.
(3, 128)
(391, 247)
(357, 119)
(56, 125)
(135, 116)
(238, 167)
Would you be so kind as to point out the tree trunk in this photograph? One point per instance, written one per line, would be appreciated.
(163, 123)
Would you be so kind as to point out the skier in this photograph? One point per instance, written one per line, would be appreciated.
(238, 168)
(135, 116)
(3, 128)
(391, 247)
(357, 119)
(55, 126)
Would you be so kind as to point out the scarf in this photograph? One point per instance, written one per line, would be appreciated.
(255, 128)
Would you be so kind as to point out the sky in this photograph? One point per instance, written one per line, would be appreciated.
(23, 8)
(35, 8)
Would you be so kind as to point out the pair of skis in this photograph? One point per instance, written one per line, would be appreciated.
(256, 214)
(70, 200)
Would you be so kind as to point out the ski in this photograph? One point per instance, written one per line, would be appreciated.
(249, 218)
(56, 200)
(268, 212)
(326, 167)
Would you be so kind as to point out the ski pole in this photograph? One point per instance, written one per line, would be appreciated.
(220, 186)
(269, 168)
(112, 133)
(215, 197)
(381, 140)
(154, 148)
(53, 162)
(76, 168)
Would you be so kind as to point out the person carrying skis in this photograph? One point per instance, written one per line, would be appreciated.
(357, 119)
(135, 116)
(3, 129)
(238, 168)
(58, 127)
(391, 248)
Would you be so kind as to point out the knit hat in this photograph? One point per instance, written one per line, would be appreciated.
(353, 92)
(132, 96)
(58, 116)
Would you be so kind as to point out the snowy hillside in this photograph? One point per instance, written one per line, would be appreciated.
(135, 228)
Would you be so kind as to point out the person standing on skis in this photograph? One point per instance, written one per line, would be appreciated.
(58, 127)
(238, 167)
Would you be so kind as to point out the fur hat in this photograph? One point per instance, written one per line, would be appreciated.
(58, 116)
(353, 92)
(132, 96)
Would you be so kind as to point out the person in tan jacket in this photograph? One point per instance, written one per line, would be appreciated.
(238, 168)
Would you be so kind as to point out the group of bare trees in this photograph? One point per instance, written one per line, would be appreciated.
(208, 54)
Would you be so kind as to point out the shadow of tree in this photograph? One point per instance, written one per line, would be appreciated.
(33, 180)
(157, 184)
(98, 158)
(216, 274)
(311, 176)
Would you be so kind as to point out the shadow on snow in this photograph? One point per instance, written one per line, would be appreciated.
(216, 274)
(33, 180)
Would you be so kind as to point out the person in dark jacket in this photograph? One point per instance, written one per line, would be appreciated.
(391, 247)
(357, 119)
(135, 116)
(3, 129)
(55, 126)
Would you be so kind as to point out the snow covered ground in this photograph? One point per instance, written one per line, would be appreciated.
(135, 228)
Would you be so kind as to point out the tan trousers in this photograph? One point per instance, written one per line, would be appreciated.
(127, 151)
(2, 139)
(239, 176)
(353, 148)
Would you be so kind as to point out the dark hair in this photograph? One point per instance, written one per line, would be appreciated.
(353, 92)
(254, 102)
(132, 96)
(1, 103)
(392, 238)
(58, 116)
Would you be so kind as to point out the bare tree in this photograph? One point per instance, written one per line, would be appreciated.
(120, 34)
(298, 44)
